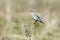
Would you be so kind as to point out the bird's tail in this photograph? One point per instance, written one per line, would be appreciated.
(41, 22)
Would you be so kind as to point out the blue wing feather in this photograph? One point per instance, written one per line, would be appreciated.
(38, 17)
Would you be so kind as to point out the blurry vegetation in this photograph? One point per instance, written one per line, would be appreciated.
(2, 24)
(49, 12)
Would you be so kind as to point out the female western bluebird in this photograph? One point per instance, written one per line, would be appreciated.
(35, 16)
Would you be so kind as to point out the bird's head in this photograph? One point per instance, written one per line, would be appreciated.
(32, 11)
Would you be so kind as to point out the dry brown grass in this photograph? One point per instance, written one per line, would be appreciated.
(49, 12)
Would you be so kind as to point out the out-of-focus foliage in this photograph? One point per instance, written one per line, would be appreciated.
(49, 11)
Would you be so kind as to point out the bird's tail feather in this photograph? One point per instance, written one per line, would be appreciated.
(41, 22)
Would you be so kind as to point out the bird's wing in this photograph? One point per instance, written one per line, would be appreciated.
(37, 16)
(34, 17)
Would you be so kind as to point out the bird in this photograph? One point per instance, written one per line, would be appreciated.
(35, 16)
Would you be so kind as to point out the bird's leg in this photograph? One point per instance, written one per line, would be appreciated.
(35, 21)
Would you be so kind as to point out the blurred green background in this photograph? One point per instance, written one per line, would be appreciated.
(15, 19)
